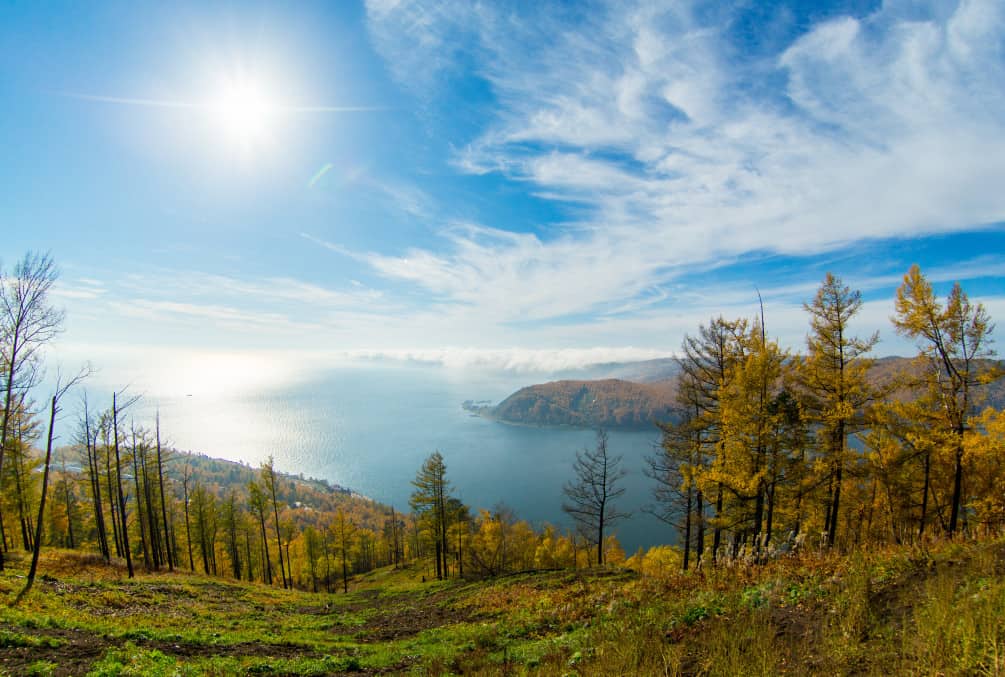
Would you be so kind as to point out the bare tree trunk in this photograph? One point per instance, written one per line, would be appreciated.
(247, 550)
(113, 511)
(328, 564)
(153, 529)
(139, 505)
(69, 508)
(188, 527)
(699, 549)
(957, 484)
(924, 494)
(41, 505)
(160, 480)
(279, 538)
(93, 474)
(267, 562)
(118, 479)
(687, 530)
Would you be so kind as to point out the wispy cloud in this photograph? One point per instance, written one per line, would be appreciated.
(521, 360)
(210, 105)
(888, 126)
(81, 288)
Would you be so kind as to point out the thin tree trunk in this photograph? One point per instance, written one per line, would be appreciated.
(69, 510)
(41, 506)
(924, 494)
(153, 529)
(118, 480)
(160, 480)
(279, 538)
(289, 564)
(957, 485)
(247, 551)
(8, 391)
(139, 506)
(92, 469)
(700, 545)
(717, 531)
(113, 511)
(832, 534)
(267, 562)
(188, 527)
(687, 529)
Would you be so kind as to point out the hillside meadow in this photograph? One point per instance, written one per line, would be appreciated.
(935, 609)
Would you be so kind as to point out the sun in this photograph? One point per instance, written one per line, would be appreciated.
(244, 112)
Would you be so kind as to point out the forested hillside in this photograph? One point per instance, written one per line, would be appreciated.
(605, 403)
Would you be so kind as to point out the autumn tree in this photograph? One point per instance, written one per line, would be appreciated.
(834, 383)
(749, 465)
(706, 363)
(205, 526)
(985, 447)
(501, 543)
(954, 342)
(345, 532)
(27, 323)
(19, 480)
(231, 517)
(393, 527)
(312, 552)
(592, 493)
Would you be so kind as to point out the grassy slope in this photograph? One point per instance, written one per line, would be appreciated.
(893, 612)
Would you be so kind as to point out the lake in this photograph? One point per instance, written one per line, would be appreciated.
(369, 428)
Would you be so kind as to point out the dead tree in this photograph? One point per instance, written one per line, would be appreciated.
(160, 480)
(592, 493)
(116, 410)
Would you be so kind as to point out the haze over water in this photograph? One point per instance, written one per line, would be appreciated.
(368, 428)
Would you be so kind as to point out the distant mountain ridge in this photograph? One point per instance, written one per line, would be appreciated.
(634, 395)
(644, 371)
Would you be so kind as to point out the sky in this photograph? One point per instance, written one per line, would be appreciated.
(238, 191)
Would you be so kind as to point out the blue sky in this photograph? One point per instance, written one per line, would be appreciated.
(521, 185)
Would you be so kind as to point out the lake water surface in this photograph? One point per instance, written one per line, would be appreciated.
(370, 428)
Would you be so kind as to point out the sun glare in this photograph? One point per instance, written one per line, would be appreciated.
(244, 112)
